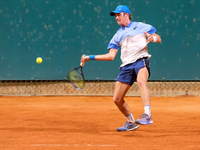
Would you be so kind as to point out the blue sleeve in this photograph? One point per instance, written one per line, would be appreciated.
(113, 45)
(152, 30)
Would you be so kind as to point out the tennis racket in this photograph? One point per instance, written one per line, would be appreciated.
(76, 77)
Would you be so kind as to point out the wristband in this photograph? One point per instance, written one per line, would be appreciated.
(91, 57)
(154, 38)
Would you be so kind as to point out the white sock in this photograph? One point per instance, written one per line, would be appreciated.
(147, 109)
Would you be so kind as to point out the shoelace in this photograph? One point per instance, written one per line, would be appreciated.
(143, 115)
(125, 124)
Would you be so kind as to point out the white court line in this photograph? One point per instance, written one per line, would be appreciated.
(102, 145)
(41, 145)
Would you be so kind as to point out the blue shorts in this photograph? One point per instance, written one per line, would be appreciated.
(128, 74)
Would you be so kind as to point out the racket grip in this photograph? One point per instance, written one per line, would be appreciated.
(81, 64)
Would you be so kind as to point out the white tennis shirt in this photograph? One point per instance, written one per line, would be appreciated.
(132, 41)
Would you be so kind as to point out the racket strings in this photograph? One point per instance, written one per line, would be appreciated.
(76, 79)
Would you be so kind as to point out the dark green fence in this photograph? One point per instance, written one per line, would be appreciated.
(60, 31)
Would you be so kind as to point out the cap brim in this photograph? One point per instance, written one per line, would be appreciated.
(112, 13)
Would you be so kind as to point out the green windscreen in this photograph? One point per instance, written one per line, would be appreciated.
(61, 31)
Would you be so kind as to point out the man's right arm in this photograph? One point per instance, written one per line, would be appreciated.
(104, 57)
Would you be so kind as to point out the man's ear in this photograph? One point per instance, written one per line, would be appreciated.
(127, 15)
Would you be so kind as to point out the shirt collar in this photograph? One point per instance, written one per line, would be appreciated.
(127, 26)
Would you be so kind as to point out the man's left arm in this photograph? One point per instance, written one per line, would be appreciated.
(152, 38)
(158, 39)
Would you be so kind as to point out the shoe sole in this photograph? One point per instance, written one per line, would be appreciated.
(136, 127)
(144, 123)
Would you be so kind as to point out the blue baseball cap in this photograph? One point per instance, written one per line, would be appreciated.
(119, 9)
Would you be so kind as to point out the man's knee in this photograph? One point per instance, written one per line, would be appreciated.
(118, 101)
(142, 83)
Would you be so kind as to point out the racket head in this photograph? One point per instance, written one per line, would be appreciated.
(76, 78)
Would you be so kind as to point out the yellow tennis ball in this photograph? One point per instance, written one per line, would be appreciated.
(39, 60)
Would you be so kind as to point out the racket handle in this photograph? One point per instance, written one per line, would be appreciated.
(81, 64)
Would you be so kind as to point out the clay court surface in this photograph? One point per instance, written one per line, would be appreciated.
(68, 122)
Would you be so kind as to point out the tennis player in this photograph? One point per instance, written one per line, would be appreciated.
(133, 38)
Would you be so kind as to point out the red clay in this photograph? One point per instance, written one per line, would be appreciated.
(90, 123)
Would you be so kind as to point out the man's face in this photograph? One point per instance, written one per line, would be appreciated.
(121, 18)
